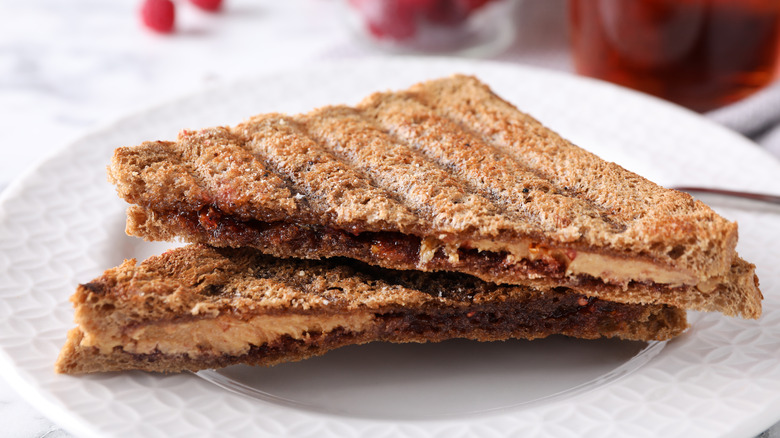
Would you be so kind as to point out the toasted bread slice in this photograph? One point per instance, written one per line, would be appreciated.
(199, 307)
(442, 176)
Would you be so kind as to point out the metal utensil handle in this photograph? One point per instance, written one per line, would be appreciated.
(773, 199)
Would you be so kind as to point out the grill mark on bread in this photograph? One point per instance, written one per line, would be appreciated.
(228, 156)
(218, 156)
(440, 198)
(344, 189)
(539, 152)
(525, 139)
(552, 157)
(197, 171)
(510, 184)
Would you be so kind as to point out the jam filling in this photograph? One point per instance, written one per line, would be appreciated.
(387, 249)
(392, 250)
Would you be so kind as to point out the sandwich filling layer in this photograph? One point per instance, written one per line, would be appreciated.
(610, 269)
(397, 250)
(210, 342)
(221, 335)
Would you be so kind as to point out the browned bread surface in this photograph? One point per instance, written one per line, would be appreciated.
(445, 160)
(231, 287)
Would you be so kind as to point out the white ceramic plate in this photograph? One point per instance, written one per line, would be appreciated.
(62, 224)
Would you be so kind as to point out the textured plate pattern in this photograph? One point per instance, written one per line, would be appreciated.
(62, 224)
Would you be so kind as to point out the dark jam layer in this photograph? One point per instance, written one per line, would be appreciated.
(387, 249)
(555, 313)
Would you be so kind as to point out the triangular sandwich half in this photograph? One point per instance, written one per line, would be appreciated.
(199, 307)
(444, 176)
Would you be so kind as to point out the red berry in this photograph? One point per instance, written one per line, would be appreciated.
(158, 15)
(208, 5)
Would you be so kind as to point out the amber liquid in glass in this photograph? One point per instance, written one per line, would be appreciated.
(702, 54)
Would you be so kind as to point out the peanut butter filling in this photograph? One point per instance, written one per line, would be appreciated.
(611, 269)
(618, 270)
(221, 335)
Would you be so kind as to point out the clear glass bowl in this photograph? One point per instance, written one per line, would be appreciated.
(453, 27)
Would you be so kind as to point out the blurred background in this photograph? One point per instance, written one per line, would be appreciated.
(68, 67)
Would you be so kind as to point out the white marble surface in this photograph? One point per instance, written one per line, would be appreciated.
(67, 67)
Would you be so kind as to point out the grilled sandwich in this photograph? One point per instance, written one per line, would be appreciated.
(200, 307)
(443, 176)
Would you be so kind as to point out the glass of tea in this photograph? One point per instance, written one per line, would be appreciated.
(701, 54)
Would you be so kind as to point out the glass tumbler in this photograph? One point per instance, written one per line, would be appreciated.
(701, 54)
